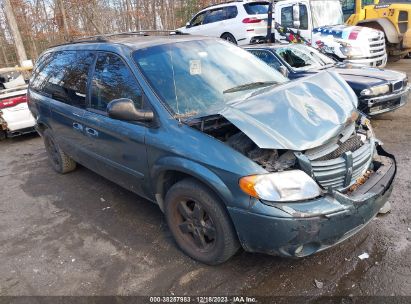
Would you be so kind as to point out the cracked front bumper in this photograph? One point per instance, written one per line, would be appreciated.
(379, 105)
(304, 228)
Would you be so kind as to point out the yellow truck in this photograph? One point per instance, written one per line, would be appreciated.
(390, 16)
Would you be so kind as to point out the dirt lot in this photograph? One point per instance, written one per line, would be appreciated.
(79, 234)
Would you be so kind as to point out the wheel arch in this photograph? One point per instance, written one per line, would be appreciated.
(170, 170)
(385, 25)
(228, 33)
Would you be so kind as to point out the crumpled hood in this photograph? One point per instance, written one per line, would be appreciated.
(298, 115)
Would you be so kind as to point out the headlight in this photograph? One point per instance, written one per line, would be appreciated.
(375, 91)
(292, 185)
(349, 50)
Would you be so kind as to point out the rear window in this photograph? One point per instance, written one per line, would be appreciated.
(256, 8)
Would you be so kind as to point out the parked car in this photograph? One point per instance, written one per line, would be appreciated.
(318, 23)
(15, 117)
(240, 22)
(232, 151)
(378, 90)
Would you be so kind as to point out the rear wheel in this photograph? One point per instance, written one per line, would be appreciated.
(229, 38)
(59, 160)
(199, 223)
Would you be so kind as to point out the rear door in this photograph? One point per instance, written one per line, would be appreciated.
(116, 148)
(63, 85)
(214, 23)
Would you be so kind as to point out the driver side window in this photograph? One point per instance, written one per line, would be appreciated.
(198, 20)
(287, 16)
(112, 79)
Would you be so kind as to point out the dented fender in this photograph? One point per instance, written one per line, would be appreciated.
(191, 168)
(302, 228)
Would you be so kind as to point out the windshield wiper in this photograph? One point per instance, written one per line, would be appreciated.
(249, 86)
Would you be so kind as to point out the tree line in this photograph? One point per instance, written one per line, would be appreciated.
(39, 24)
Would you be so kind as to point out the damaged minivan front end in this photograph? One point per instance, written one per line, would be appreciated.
(296, 166)
(326, 174)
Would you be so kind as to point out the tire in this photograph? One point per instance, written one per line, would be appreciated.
(59, 160)
(229, 38)
(199, 223)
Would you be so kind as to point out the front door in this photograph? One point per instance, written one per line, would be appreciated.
(116, 148)
(284, 17)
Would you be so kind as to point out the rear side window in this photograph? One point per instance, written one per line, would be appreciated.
(63, 76)
(113, 79)
(214, 16)
(256, 8)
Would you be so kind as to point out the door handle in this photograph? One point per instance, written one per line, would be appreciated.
(91, 132)
(77, 126)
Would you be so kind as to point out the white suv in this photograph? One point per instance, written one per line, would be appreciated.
(240, 22)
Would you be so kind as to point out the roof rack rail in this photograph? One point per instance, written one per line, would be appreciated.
(226, 2)
(103, 37)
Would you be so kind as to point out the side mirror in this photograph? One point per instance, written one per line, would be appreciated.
(296, 16)
(187, 24)
(124, 109)
(283, 70)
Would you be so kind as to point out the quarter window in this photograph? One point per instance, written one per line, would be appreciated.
(230, 12)
(112, 79)
(63, 76)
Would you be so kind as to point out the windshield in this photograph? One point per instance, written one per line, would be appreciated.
(194, 78)
(302, 58)
(326, 12)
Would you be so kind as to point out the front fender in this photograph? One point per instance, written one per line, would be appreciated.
(384, 25)
(196, 170)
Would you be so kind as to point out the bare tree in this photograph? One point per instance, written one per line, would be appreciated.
(21, 52)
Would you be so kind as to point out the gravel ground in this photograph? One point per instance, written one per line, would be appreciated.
(79, 234)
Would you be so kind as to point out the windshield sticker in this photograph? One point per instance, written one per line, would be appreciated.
(195, 67)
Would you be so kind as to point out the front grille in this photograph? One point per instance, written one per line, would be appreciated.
(397, 86)
(377, 44)
(342, 171)
(352, 144)
(343, 166)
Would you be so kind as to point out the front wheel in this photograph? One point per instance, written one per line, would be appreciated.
(199, 223)
(229, 38)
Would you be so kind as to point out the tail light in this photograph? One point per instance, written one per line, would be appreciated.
(353, 35)
(11, 102)
(252, 20)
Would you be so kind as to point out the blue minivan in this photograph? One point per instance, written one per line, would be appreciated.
(234, 154)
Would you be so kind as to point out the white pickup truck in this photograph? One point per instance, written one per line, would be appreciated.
(321, 24)
(15, 117)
